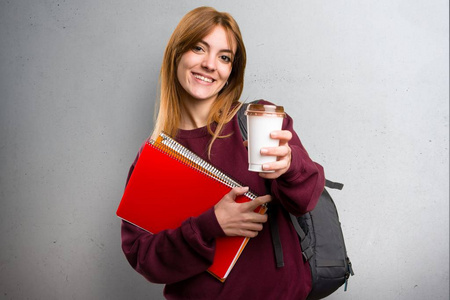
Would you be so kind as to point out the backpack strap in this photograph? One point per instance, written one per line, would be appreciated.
(274, 232)
(242, 120)
(333, 185)
(305, 240)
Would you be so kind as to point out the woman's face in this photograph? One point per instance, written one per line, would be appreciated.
(204, 70)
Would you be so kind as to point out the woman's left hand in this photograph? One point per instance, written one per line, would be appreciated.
(282, 152)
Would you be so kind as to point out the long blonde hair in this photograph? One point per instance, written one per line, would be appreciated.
(194, 26)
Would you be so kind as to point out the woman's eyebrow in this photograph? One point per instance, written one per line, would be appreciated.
(222, 50)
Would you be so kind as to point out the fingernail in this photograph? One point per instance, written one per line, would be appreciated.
(265, 167)
(264, 151)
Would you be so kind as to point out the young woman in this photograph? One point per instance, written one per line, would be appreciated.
(202, 79)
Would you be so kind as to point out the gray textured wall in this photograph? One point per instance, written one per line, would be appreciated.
(366, 82)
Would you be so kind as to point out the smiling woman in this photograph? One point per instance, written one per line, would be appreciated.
(202, 78)
(189, 37)
(202, 73)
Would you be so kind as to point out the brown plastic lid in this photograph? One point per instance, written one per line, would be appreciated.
(265, 110)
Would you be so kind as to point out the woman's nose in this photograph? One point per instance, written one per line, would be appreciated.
(209, 63)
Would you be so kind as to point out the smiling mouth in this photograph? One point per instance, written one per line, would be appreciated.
(203, 78)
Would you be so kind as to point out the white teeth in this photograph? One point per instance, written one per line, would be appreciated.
(203, 78)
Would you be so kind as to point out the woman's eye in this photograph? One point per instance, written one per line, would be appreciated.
(197, 49)
(226, 58)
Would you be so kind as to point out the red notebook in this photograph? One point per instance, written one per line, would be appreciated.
(170, 184)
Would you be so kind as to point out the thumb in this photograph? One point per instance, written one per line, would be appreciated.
(252, 205)
(237, 191)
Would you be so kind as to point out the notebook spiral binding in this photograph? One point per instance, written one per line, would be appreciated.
(169, 146)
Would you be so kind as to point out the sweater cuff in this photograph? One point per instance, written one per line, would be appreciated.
(297, 165)
(207, 225)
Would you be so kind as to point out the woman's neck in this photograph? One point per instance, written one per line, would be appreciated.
(194, 113)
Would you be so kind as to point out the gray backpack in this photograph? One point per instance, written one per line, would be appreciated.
(320, 236)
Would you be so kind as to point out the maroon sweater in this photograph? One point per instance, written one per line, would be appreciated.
(180, 257)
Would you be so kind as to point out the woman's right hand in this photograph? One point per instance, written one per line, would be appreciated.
(240, 219)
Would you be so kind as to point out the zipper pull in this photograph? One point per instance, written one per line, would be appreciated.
(349, 272)
(347, 275)
(349, 263)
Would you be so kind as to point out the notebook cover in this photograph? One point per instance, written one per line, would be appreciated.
(163, 192)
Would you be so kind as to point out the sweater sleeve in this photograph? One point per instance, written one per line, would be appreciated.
(299, 189)
(172, 255)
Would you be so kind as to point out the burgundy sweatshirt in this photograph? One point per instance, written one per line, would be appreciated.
(180, 257)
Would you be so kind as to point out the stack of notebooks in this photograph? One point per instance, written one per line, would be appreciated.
(169, 184)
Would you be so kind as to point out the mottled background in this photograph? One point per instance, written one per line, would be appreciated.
(367, 83)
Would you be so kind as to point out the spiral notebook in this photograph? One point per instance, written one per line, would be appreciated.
(169, 184)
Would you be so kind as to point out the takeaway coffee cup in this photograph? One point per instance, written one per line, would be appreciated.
(261, 121)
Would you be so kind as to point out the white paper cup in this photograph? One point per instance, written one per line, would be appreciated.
(261, 121)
